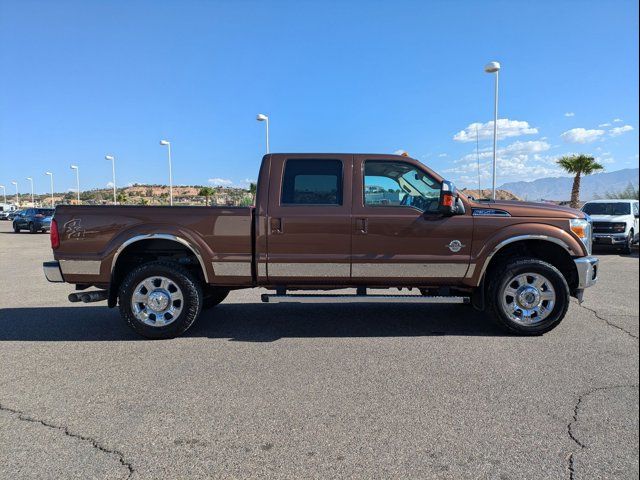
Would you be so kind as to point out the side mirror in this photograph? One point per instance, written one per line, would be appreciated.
(448, 199)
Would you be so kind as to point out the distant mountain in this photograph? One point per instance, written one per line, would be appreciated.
(559, 188)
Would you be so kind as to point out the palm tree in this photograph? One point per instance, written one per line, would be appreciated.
(206, 192)
(252, 190)
(579, 165)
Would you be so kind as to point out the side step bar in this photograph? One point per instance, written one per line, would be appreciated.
(321, 298)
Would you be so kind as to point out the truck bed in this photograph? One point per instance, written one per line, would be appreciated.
(91, 238)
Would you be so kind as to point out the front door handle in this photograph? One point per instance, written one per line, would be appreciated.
(362, 225)
(276, 225)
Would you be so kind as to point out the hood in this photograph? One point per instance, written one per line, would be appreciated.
(610, 218)
(532, 209)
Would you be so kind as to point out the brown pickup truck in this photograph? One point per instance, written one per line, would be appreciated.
(326, 222)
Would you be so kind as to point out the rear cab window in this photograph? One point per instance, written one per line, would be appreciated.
(312, 182)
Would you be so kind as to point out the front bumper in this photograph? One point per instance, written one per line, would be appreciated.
(587, 268)
(609, 238)
(52, 271)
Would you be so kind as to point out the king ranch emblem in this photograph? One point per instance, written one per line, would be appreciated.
(455, 246)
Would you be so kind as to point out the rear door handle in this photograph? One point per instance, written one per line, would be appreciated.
(362, 225)
(276, 225)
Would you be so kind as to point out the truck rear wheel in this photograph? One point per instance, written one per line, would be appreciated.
(160, 299)
(528, 296)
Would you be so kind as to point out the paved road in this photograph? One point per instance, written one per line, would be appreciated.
(344, 391)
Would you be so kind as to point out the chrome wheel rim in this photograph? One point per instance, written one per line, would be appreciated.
(528, 298)
(157, 301)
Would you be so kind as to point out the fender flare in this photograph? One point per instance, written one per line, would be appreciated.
(160, 236)
(520, 238)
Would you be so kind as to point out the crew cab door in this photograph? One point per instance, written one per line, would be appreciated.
(308, 219)
(398, 234)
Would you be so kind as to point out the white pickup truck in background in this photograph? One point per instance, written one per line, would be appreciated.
(615, 222)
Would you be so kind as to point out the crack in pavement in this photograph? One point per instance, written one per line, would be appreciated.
(599, 317)
(94, 443)
(574, 419)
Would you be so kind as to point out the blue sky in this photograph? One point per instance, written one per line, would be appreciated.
(83, 79)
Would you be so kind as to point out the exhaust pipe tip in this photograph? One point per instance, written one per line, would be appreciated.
(74, 297)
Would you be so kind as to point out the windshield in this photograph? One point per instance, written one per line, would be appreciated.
(613, 208)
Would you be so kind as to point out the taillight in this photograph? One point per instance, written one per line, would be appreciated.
(53, 235)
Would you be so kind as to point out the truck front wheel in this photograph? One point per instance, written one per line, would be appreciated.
(213, 296)
(626, 250)
(528, 296)
(160, 299)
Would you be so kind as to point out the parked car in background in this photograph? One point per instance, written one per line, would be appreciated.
(615, 222)
(5, 210)
(33, 219)
(13, 214)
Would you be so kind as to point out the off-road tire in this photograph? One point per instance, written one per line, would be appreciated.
(213, 296)
(32, 228)
(16, 229)
(192, 298)
(512, 267)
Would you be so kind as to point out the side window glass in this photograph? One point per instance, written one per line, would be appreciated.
(312, 182)
(635, 209)
(399, 184)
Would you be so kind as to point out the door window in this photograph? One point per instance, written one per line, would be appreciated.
(312, 182)
(399, 184)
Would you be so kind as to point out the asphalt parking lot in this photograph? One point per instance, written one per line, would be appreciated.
(288, 391)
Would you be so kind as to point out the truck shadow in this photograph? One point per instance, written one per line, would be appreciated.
(254, 322)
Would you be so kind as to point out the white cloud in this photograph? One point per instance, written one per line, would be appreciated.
(614, 132)
(569, 114)
(506, 128)
(220, 182)
(517, 161)
(442, 155)
(110, 184)
(531, 146)
(617, 120)
(581, 135)
(399, 152)
(604, 125)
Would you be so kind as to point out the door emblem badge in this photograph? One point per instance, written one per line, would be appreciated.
(455, 246)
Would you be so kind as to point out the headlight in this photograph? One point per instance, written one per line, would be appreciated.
(582, 229)
(619, 227)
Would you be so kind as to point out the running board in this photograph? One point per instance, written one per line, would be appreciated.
(320, 298)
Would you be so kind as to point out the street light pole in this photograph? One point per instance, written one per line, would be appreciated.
(261, 117)
(167, 143)
(51, 176)
(17, 194)
(33, 203)
(112, 159)
(75, 167)
(494, 67)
